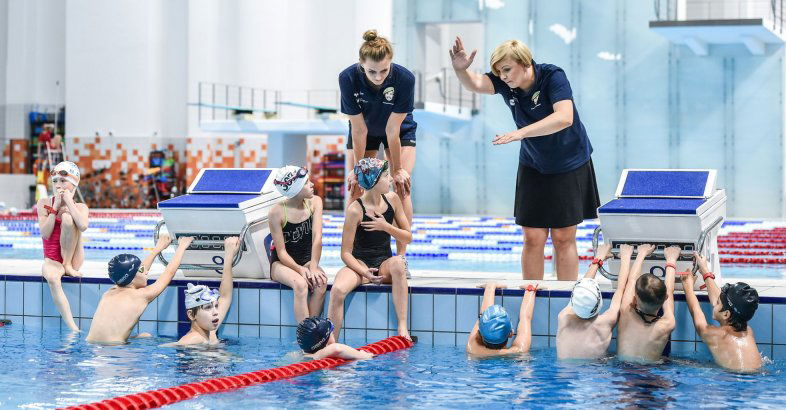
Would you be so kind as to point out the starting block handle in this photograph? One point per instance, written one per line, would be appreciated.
(659, 253)
(208, 266)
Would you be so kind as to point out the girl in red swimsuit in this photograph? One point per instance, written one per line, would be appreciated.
(62, 221)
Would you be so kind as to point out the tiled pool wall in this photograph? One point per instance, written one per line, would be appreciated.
(439, 316)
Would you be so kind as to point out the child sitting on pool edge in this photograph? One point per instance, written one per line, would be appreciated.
(61, 221)
(206, 308)
(732, 343)
(492, 330)
(121, 306)
(315, 337)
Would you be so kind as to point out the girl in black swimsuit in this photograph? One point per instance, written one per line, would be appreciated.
(365, 243)
(296, 228)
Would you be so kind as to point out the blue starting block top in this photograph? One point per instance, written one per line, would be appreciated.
(652, 183)
(229, 181)
(207, 201)
(678, 206)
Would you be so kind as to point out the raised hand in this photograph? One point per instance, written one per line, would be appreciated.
(644, 250)
(672, 253)
(459, 57)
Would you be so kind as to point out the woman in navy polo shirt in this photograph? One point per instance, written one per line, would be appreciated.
(379, 96)
(555, 186)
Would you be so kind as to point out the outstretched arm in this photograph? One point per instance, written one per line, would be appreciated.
(612, 313)
(151, 292)
(231, 247)
(490, 289)
(699, 320)
(523, 338)
(163, 243)
(604, 252)
(643, 251)
(713, 291)
(342, 351)
(672, 253)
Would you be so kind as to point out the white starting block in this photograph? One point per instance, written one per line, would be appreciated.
(223, 202)
(664, 207)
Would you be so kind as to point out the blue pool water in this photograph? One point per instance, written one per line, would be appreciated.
(49, 368)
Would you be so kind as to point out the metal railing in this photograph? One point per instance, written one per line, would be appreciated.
(770, 11)
(217, 101)
(442, 87)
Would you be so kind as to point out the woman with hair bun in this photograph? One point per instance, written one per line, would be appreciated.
(379, 96)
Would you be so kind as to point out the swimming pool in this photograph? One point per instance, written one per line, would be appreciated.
(48, 368)
(749, 248)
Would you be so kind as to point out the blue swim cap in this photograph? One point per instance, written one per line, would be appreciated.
(123, 268)
(368, 171)
(495, 325)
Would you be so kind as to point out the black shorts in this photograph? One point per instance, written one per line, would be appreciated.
(556, 200)
(372, 143)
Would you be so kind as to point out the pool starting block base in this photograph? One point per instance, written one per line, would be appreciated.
(223, 202)
(664, 207)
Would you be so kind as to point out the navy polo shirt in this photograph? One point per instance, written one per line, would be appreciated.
(562, 151)
(397, 94)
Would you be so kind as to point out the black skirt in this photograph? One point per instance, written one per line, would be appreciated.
(556, 200)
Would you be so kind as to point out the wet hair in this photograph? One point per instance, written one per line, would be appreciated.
(735, 322)
(514, 49)
(193, 312)
(650, 290)
(374, 47)
(493, 346)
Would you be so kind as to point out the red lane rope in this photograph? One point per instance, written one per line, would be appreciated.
(162, 397)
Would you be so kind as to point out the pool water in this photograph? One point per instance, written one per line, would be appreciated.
(49, 368)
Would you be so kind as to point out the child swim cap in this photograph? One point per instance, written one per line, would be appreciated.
(69, 170)
(199, 295)
(123, 268)
(740, 299)
(494, 325)
(368, 171)
(313, 333)
(586, 298)
(290, 180)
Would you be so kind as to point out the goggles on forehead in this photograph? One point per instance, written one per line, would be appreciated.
(302, 172)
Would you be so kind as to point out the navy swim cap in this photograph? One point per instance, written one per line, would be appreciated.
(313, 333)
(740, 299)
(123, 268)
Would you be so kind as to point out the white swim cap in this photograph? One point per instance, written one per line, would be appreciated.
(199, 295)
(586, 299)
(69, 170)
(290, 179)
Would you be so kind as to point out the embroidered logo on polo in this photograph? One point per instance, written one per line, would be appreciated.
(535, 98)
(389, 93)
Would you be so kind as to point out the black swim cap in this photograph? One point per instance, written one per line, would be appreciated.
(313, 333)
(123, 268)
(740, 299)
